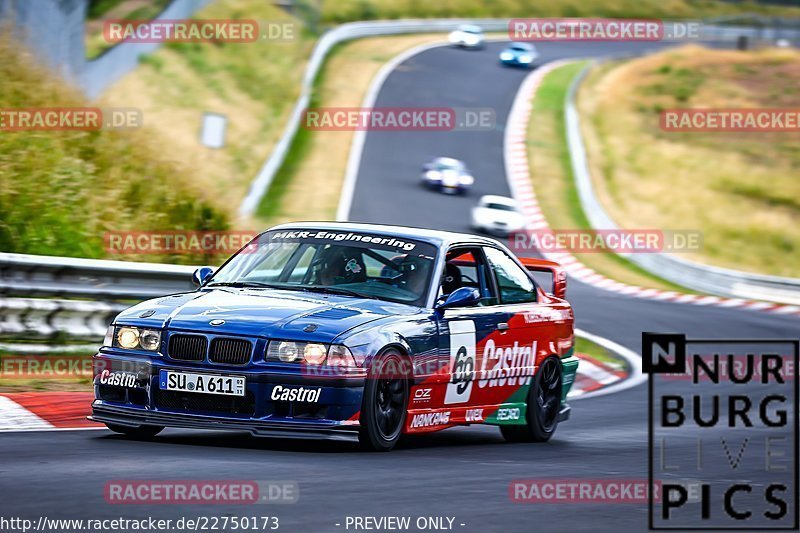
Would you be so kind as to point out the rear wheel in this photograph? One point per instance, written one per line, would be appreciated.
(544, 405)
(137, 432)
(383, 407)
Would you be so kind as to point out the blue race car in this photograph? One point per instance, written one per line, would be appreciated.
(519, 55)
(346, 331)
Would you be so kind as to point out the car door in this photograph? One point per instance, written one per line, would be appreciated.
(513, 357)
(463, 330)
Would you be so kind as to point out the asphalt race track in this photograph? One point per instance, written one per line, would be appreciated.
(460, 473)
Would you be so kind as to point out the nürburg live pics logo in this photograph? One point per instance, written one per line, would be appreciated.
(723, 433)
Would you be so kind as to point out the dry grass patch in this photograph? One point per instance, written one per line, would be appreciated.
(740, 189)
(254, 84)
(551, 175)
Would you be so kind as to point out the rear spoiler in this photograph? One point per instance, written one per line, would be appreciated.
(559, 275)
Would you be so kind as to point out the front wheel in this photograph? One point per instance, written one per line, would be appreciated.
(383, 407)
(136, 432)
(544, 405)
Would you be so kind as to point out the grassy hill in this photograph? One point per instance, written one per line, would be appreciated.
(60, 191)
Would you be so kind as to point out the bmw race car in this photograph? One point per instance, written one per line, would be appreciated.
(519, 55)
(346, 331)
(447, 175)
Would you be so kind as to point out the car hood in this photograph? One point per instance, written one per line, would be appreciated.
(270, 313)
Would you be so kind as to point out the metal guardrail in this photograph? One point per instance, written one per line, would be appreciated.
(39, 318)
(704, 278)
(41, 275)
(356, 30)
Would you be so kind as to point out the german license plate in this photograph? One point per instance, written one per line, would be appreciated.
(202, 383)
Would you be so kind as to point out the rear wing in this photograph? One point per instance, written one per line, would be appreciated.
(556, 271)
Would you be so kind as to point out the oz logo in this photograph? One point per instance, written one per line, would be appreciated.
(462, 361)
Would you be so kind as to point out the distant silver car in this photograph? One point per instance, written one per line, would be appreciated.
(467, 36)
(497, 215)
(447, 175)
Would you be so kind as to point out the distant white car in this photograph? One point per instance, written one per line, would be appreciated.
(497, 215)
(467, 36)
(447, 175)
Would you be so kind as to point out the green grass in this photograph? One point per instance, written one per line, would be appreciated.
(347, 10)
(300, 147)
(595, 351)
(554, 182)
(60, 191)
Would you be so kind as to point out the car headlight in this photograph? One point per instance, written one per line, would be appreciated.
(131, 338)
(314, 353)
(310, 353)
(506, 56)
(525, 59)
(285, 351)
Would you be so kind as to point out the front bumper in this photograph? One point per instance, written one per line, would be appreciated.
(334, 414)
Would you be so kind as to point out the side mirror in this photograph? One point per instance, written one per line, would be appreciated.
(202, 275)
(462, 297)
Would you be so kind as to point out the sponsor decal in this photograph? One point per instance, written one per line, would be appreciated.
(508, 414)
(506, 366)
(291, 394)
(390, 242)
(430, 419)
(118, 379)
(474, 415)
(422, 395)
(462, 361)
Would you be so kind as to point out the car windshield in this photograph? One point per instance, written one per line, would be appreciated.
(471, 29)
(520, 47)
(444, 164)
(365, 265)
(500, 207)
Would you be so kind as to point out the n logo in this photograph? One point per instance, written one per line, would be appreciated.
(663, 353)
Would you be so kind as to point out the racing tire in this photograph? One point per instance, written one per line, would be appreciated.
(138, 432)
(544, 405)
(383, 406)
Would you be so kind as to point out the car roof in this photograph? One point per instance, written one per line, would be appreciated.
(491, 198)
(517, 44)
(438, 238)
(449, 161)
(470, 27)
